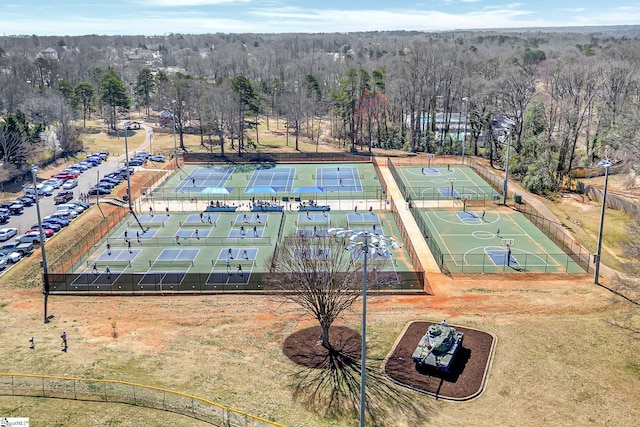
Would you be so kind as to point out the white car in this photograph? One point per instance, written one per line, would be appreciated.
(69, 184)
(7, 233)
(10, 257)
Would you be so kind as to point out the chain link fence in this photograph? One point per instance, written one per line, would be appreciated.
(130, 394)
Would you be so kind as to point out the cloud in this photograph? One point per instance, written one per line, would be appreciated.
(187, 3)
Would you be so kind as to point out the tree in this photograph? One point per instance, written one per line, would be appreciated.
(320, 276)
(248, 107)
(113, 94)
(145, 87)
(84, 96)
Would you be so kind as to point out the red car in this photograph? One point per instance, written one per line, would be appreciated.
(65, 175)
(46, 231)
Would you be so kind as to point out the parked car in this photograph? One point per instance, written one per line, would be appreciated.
(16, 208)
(7, 233)
(29, 237)
(63, 222)
(63, 197)
(51, 225)
(4, 215)
(54, 182)
(23, 248)
(9, 256)
(69, 184)
(27, 200)
(157, 158)
(135, 162)
(48, 232)
(93, 191)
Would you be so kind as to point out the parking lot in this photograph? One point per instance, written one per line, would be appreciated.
(23, 221)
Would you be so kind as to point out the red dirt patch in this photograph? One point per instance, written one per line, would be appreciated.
(465, 378)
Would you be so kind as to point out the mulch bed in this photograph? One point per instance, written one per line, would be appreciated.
(304, 348)
(464, 380)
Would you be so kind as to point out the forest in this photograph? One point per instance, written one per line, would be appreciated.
(559, 99)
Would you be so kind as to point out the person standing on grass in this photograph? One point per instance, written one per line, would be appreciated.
(64, 341)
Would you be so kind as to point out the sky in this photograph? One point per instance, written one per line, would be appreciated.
(159, 17)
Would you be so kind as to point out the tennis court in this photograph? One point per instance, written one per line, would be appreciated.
(498, 240)
(237, 183)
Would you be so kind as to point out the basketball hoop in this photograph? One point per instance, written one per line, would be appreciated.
(508, 243)
(429, 157)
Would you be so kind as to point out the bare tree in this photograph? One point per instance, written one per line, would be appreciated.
(320, 276)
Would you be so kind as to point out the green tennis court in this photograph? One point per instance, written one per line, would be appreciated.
(172, 257)
(236, 183)
(498, 240)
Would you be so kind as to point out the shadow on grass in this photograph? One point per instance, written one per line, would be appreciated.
(328, 381)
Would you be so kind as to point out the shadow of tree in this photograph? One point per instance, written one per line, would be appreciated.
(328, 381)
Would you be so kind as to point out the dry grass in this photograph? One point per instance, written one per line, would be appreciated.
(559, 360)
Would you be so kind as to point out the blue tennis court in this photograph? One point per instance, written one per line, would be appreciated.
(202, 178)
(178, 255)
(251, 218)
(278, 179)
(313, 218)
(118, 255)
(319, 253)
(246, 232)
(339, 178)
(193, 233)
(313, 232)
(249, 254)
(201, 218)
(363, 218)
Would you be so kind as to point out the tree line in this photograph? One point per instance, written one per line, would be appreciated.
(560, 100)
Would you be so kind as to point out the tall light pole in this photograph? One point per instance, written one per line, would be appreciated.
(505, 185)
(606, 164)
(45, 267)
(173, 115)
(126, 156)
(464, 130)
(367, 242)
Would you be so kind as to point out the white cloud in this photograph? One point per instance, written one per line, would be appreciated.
(183, 3)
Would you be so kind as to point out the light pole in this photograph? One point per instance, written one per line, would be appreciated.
(464, 130)
(126, 156)
(606, 164)
(173, 115)
(367, 242)
(45, 268)
(505, 185)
